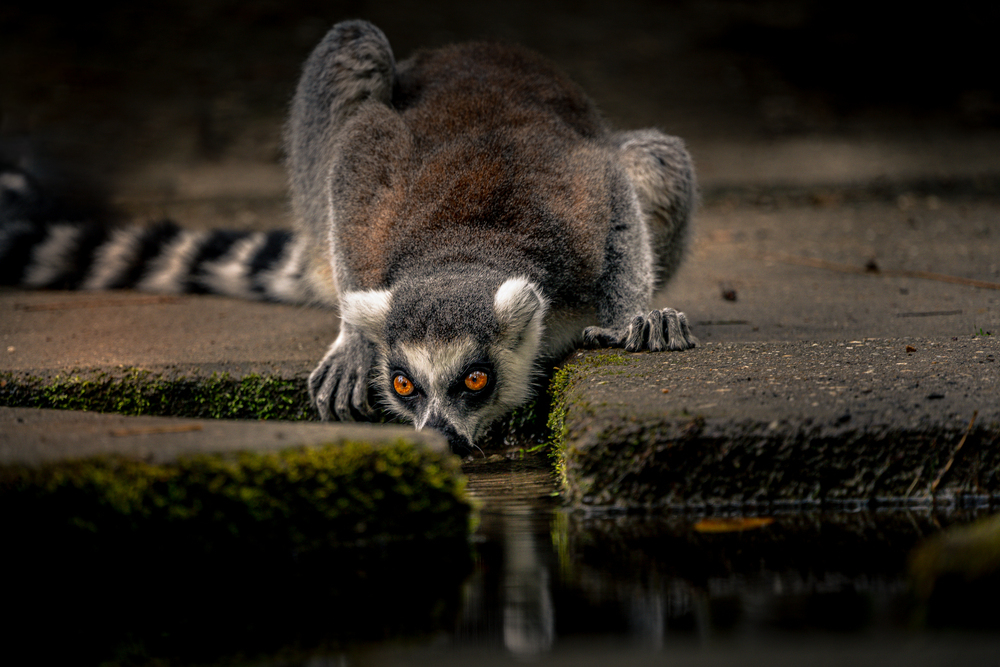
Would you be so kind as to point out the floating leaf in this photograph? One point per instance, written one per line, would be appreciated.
(732, 525)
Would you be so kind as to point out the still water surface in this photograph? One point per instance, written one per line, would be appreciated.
(544, 585)
(552, 586)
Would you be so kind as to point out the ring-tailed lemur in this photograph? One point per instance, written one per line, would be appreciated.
(468, 209)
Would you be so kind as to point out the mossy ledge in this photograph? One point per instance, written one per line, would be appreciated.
(135, 391)
(563, 380)
(291, 500)
(280, 554)
(956, 575)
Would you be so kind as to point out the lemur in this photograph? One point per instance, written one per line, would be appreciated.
(468, 210)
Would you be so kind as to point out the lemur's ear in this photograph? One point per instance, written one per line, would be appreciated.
(520, 309)
(366, 310)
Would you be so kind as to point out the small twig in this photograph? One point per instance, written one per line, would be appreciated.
(947, 466)
(916, 478)
(931, 313)
(893, 273)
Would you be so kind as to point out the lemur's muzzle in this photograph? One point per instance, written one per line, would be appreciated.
(458, 443)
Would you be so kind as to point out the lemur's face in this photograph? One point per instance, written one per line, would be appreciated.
(454, 387)
(449, 363)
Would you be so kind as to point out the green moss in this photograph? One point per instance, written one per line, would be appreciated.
(562, 381)
(529, 427)
(956, 576)
(140, 392)
(525, 428)
(968, 553)
(298, 499)
(280, 554)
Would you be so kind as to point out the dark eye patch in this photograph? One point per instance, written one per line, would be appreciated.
(402, 385)
(460, 387)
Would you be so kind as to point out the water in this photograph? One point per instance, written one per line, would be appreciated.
(544, 585)
(553, 586)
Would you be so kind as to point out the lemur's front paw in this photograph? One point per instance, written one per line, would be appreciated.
(658, 330)
(339, 385)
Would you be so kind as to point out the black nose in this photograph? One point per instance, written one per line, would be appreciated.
(457, 442)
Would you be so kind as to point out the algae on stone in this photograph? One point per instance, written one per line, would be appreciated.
(295, 499)
(559, 388)
(220, 559)
(136, 391)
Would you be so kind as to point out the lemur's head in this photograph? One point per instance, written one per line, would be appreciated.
(453, 354)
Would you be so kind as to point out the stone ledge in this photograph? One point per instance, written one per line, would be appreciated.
(98, 479)
(751, 426)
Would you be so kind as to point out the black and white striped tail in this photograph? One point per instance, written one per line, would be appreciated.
(161, 258)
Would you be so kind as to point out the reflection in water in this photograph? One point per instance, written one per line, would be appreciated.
(528, 615)
(509, 597)
(547, 578)
(548, 585)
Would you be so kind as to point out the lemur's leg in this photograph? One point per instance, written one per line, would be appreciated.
(643, 254)
(351, 65)
(662, 175)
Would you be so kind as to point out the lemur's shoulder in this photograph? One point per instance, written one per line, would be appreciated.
(488, 156)
(487, 85)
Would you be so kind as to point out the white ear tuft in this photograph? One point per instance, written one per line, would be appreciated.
(519, 303)
(366, 310)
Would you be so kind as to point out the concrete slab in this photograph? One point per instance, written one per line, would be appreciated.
(35, 437)
(762, 426)
(190, 355)
(832, 264)
(58, 331)
(270, 533)
(272, 489)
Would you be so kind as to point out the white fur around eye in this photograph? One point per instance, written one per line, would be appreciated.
(366, 309)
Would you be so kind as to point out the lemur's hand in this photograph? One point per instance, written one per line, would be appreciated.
(658, 330)
(339, 385)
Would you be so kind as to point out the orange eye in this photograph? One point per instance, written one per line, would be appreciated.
(476, 380)
(402, 385)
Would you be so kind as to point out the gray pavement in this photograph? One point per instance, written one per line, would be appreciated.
(833, 264)
(47, 332)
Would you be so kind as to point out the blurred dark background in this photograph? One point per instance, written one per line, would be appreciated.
(114, 87)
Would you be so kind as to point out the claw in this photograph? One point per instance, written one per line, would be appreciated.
(319, 392)
(338, 387)
(658, 330)
(678, 334)
(342, 398)
(655, 324)
(636, 337)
